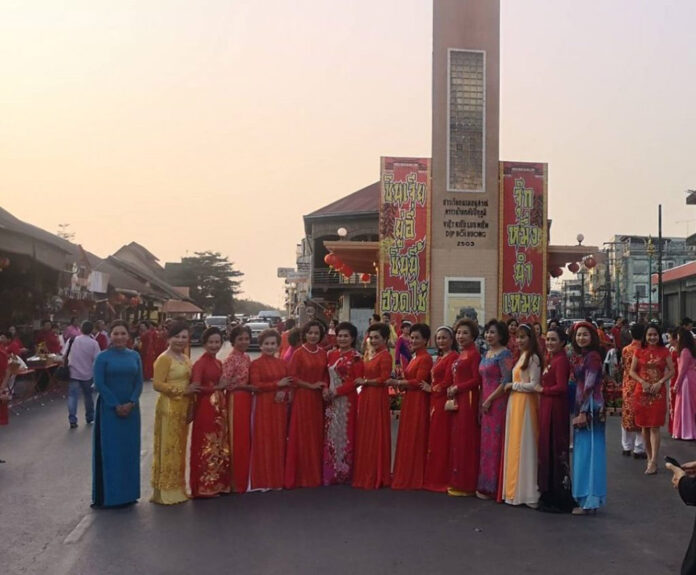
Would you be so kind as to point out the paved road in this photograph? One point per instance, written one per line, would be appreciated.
(48, 527)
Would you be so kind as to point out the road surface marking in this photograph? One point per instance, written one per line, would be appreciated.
(76, 534)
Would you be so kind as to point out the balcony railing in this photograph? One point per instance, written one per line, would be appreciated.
(324, 277)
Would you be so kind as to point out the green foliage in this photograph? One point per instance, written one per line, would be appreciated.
(212, 280)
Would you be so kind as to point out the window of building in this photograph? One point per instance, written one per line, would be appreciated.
(464, 297)
(466, 117)
(641, 290)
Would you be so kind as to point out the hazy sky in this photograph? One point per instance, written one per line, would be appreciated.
(217, 124)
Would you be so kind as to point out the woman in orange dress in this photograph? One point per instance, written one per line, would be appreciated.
(651, 368)
(209, 450)
(466, 429)
(372, 468)
(308, 369)
(235, 374)
(437, 469)
(269, 376)
(412, 441)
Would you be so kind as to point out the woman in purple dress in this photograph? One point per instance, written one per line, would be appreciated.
(496, 370)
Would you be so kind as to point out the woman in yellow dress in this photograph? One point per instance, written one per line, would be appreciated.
(171, 379)
(522, 424)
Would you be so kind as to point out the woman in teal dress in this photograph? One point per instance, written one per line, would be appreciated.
(118, 377)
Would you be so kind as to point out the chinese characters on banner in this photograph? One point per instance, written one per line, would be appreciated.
(523, 241)
(404, 233)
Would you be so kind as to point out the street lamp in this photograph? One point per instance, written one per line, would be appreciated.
(650, 249)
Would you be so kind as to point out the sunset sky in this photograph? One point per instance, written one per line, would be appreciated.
(189, 126)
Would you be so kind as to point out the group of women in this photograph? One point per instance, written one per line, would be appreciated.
(470, 425)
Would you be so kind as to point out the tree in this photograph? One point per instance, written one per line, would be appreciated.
(211, 279)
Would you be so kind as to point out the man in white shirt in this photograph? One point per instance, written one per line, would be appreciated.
(81, 355)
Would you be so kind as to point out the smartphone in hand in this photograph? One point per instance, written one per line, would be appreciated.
(673, 461)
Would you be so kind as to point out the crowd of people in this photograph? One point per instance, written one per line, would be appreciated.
(499, 413)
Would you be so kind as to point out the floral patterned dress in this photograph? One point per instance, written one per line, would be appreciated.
(651, 409)
(340, 414)
(495, 369)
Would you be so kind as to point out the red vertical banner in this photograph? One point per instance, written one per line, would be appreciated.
(404, 233)
(523, 242)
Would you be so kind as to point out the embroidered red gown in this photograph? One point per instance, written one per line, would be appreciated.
(306, 430)
(239, 402)
(269, 424)
(437, 467)
(209, 447)
(466, 431)
(339, 423)
(372, 468)
(651, 409)
(412, 442)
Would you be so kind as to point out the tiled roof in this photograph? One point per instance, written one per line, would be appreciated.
(364, 201)
(676, 273)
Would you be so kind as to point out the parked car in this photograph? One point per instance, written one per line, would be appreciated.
(256, 326)
(271, 316)
(196, 332)
(218, 321)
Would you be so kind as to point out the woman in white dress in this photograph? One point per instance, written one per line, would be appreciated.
(519, 485)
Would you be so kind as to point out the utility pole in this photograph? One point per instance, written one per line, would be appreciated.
(607, 278)
(660, 309)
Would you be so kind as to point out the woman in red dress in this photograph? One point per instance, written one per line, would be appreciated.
(345, 366)
(269, 376)
(235, 375)
(466, 430)
(372, 468)
(412, 441)
(437, 470)
(651, 368)
(145, 345)
(210, 446)
(512, 325)
(309, 373)
(554, 435)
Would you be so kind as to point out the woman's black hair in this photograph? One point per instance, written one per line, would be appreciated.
(310, 324)
(176, 328)
(562, 335)
(686, 341)
(423, 329)
(381, 328)
(502, 329)
(238, 330)
(644, 342)
(209, 331)
(350, 328)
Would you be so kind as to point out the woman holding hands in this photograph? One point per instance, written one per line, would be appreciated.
(372, 468)
(210, 444)
(308, 369)
(171, 379)
(412, 442)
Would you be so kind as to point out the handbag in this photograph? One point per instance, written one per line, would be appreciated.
(451, 405)
(62, 372)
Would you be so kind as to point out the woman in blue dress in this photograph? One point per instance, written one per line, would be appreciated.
(118, 377)
(589, 452)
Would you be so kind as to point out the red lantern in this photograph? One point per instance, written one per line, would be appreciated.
(330, 259)
(338, 264)
(574, 267)
(365, 278)
(590, 262)
(556, 272)
(134, 301)
(346, 270)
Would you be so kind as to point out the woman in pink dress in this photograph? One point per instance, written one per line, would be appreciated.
(684, 426)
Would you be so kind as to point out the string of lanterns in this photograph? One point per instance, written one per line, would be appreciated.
(574, 267)
(335, 263)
